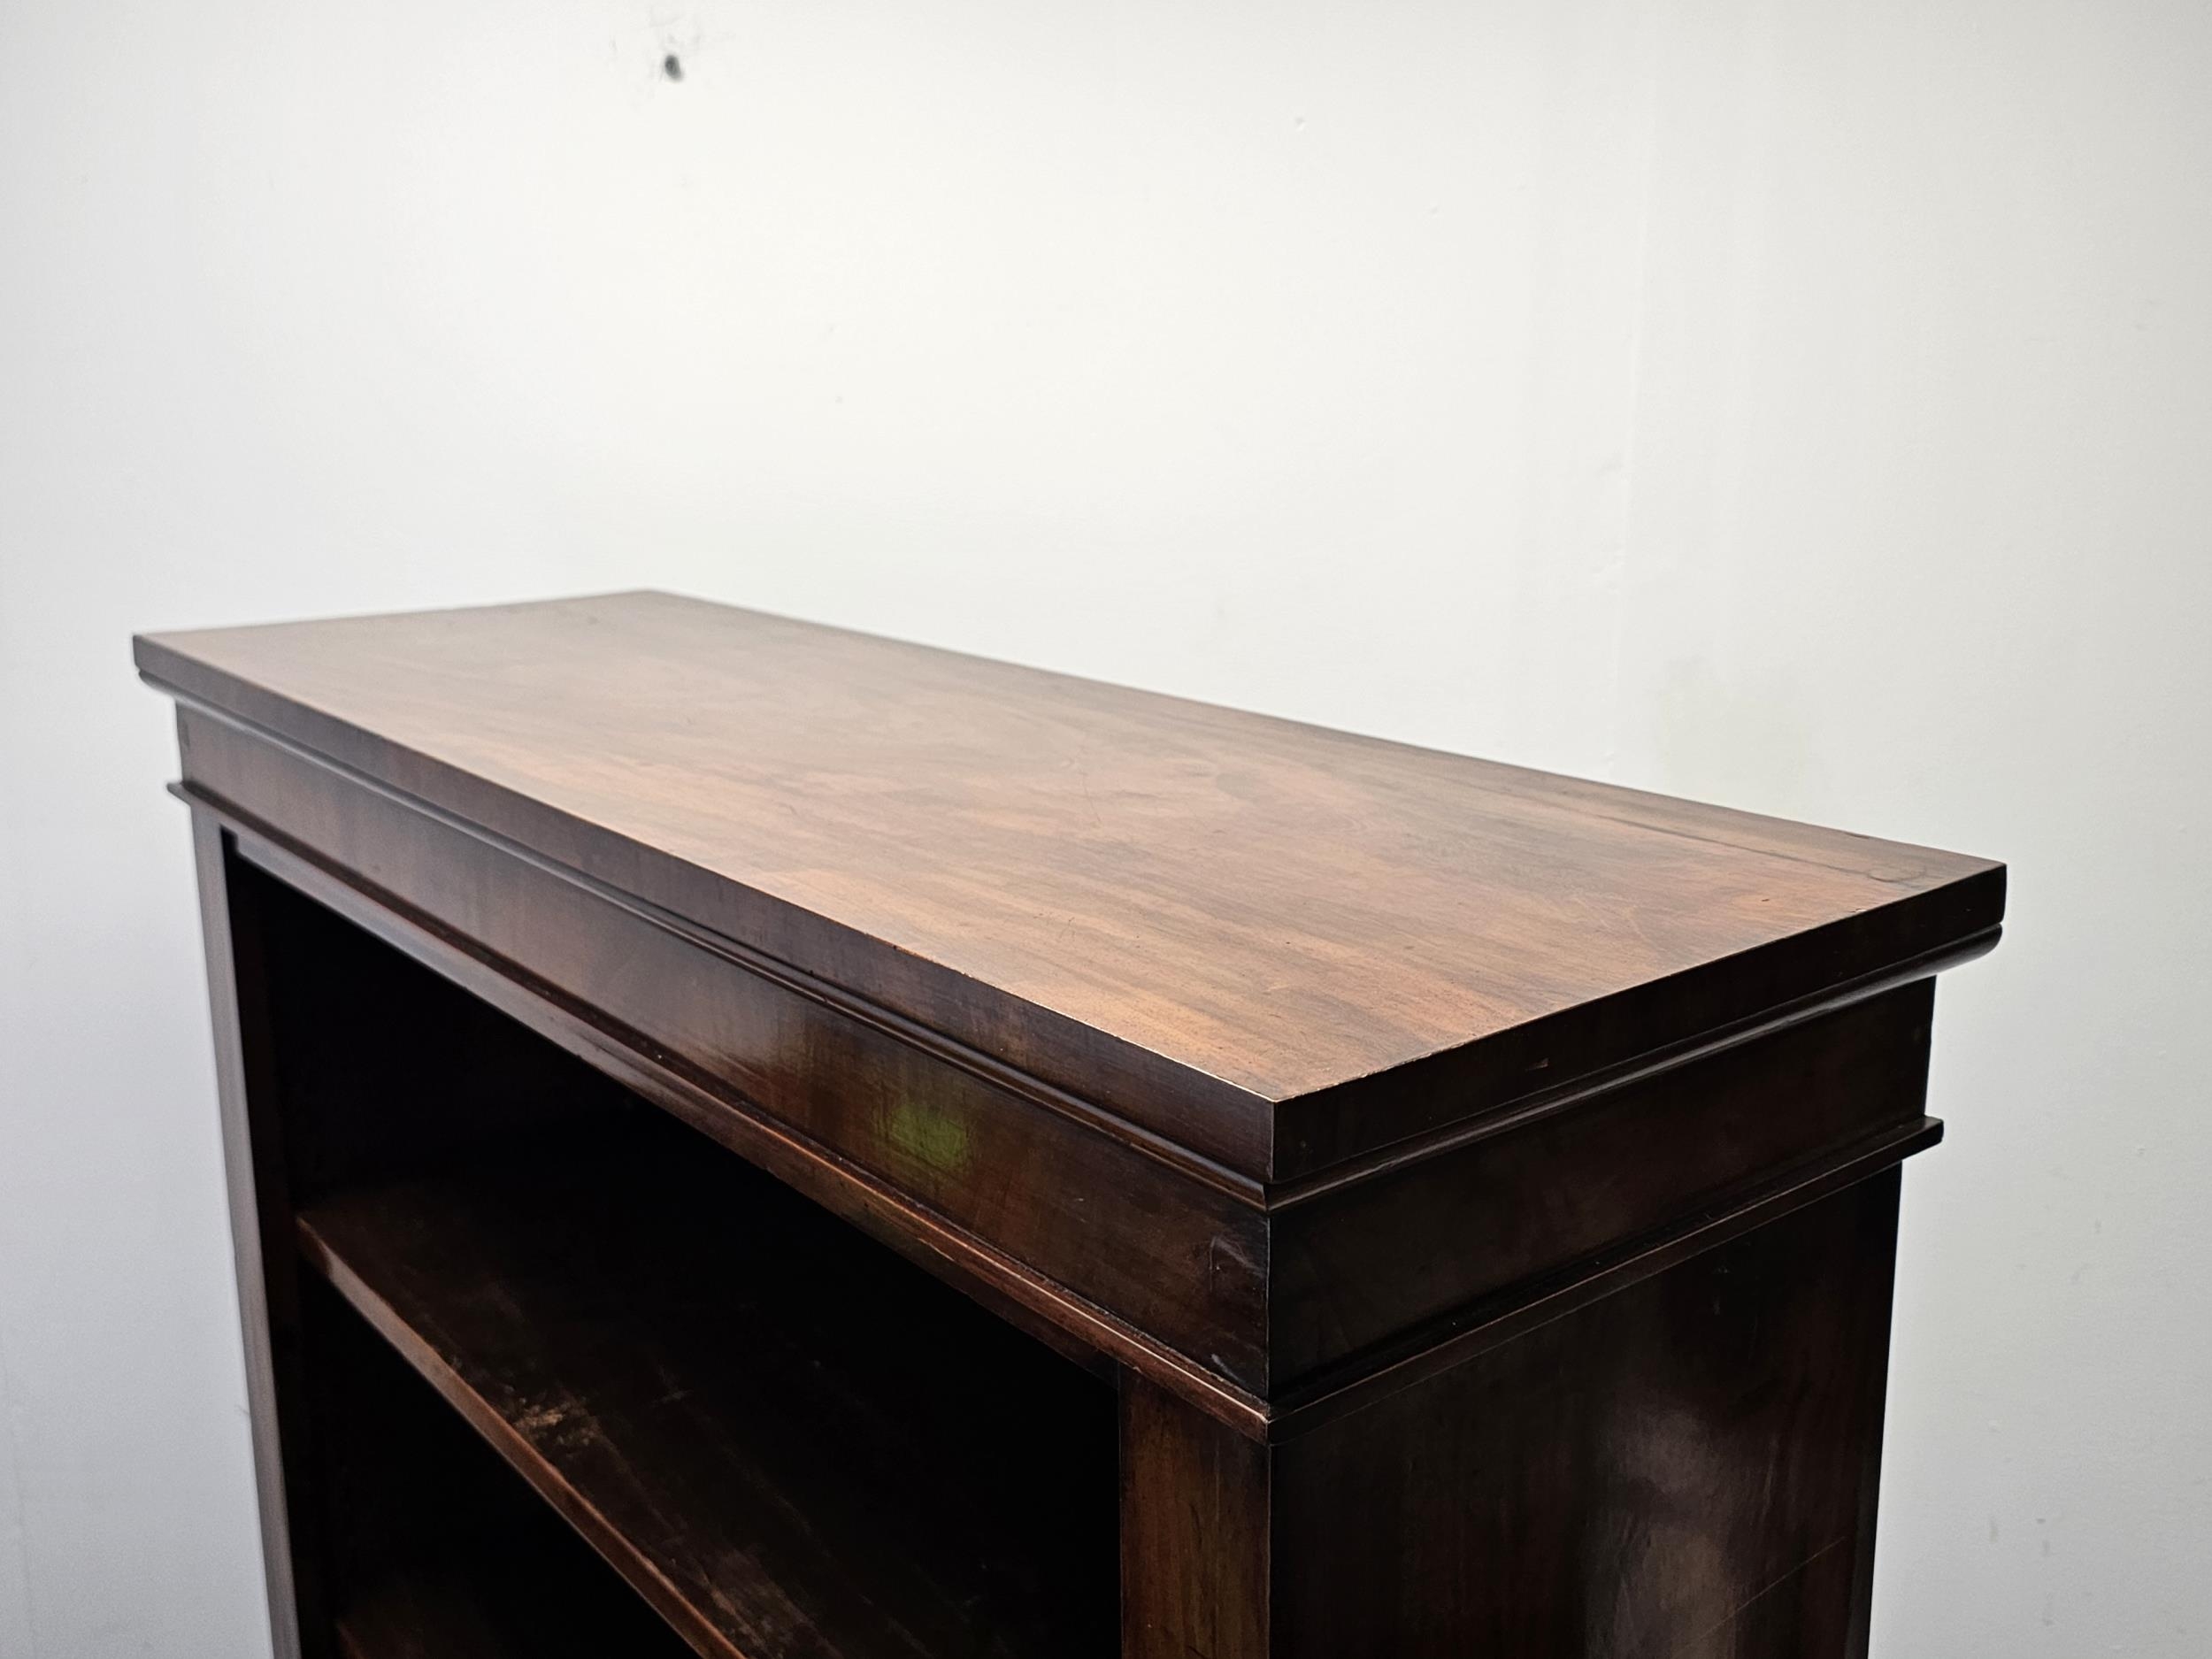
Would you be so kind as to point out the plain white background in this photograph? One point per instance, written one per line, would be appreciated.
(1804, 406)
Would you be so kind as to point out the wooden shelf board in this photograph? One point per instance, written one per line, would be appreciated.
(794, 1444)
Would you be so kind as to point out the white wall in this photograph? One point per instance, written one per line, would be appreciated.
(1801, 405)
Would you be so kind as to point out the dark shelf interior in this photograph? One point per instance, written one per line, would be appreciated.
(432, 1548)
(790, 1442)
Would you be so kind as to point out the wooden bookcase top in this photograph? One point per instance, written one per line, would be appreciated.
(1280, 945)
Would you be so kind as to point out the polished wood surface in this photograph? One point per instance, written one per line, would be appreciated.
(1231, 928)
(1235, 1295)
(1682, 1471)
(753, 1138)
(902, 1135)
(1686, 1469)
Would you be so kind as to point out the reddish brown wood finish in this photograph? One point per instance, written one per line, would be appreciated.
(1480, 1185)
(1234, 930)
(752, 1052)
(1686, 1469)
(1232, 1292)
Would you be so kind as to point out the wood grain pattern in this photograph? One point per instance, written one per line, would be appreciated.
(1360, 1265)
(1467, 1197)
(1134, 1260)
(1684, 1469)
(1195, 1517)
(1261, 1294)
(1226, 926)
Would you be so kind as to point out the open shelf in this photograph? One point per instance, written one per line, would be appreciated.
(780, 1436)
(787, 1440)
(432, 1548)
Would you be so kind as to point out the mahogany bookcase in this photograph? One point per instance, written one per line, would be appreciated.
(751, 1138)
